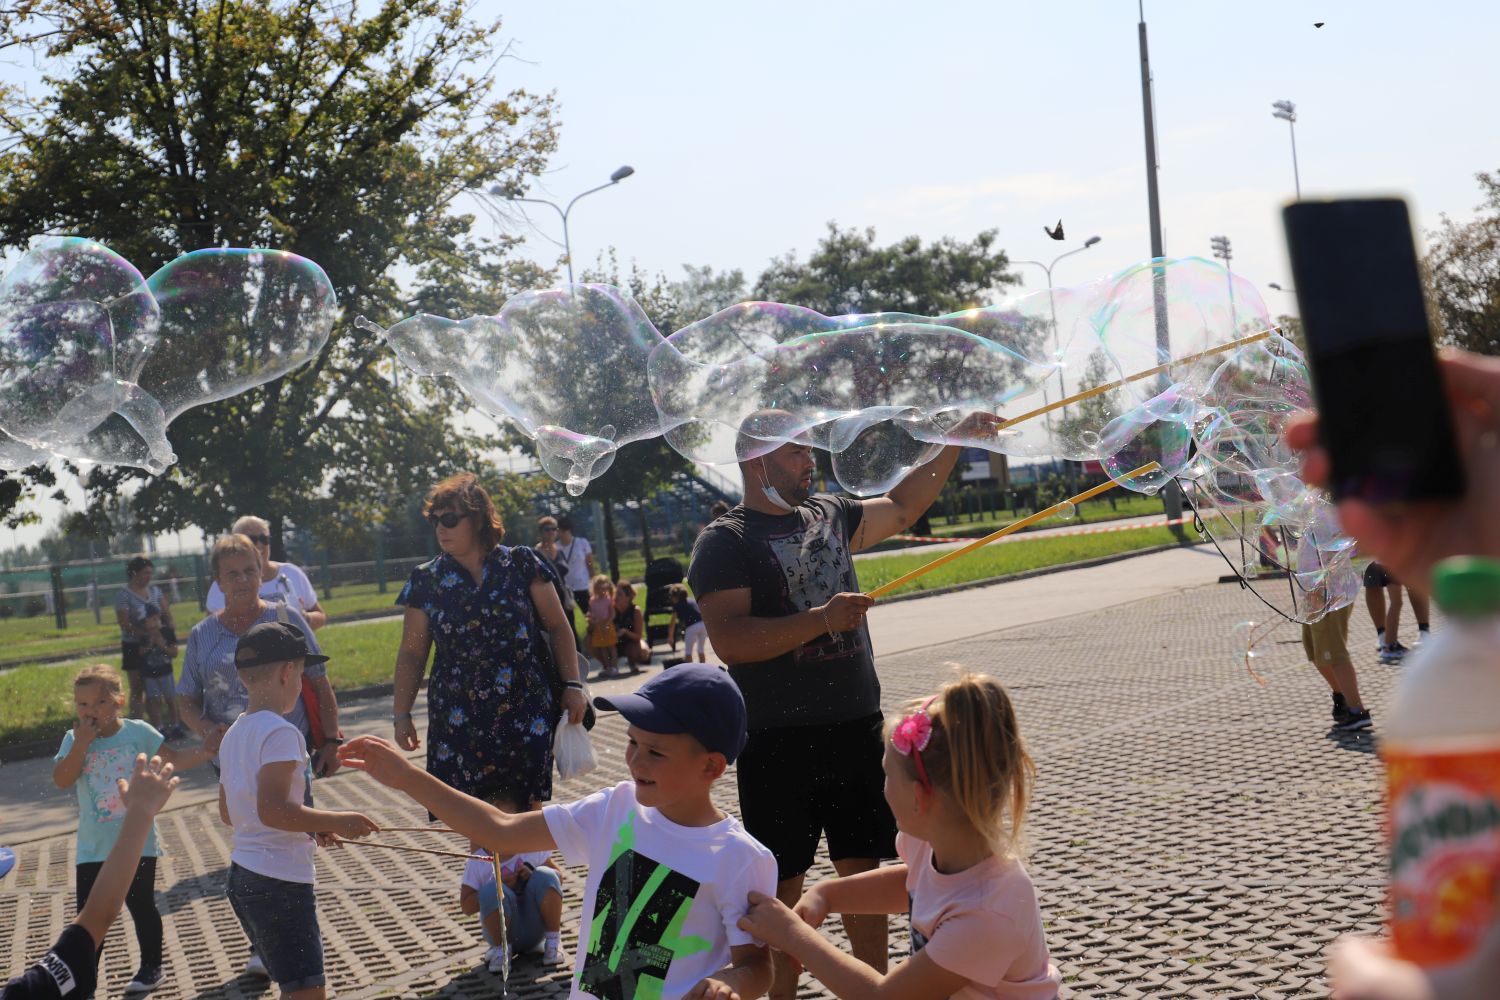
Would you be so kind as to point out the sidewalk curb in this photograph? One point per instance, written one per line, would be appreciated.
(11, 753)
(1040, 571)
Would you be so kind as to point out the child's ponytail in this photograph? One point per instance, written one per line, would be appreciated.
(976, 755)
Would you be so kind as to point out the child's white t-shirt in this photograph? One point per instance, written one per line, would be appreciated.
(982, 923)
(255, 740)
(479, 873)
(674, 893)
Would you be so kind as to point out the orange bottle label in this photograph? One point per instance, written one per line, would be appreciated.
(1444, 821)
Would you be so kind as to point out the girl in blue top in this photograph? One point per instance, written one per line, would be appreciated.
(101, 748)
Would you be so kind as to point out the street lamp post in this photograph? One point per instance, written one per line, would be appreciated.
(1287, 112)
(1223, 252)
(614, 178)
(1052, 306)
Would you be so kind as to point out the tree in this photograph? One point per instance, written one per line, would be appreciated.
(1463, 273)
(20, 486)
(848, 273)
(343, 132)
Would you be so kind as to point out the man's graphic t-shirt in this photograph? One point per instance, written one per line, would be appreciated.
(793, 563)
(661, 901)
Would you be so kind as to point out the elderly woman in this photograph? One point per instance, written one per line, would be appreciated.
(279, 581)
(492, 707)
(130, 611)
(210, 694)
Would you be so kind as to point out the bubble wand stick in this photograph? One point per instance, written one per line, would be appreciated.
(1106, 387)
(947, 557)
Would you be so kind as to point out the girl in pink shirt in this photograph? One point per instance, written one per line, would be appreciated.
(957, 777)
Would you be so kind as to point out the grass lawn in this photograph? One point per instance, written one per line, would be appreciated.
(1127, 504)
(38, 697)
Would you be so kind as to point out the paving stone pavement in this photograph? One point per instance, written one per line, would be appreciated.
(1193, 833)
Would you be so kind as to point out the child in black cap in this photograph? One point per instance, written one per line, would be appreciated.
(263, 782)
(669, 872)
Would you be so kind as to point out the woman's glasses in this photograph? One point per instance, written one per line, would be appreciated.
(447, 519)
(548, 529)
(260, 539)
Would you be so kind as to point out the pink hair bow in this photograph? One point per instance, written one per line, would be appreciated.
(911, 736)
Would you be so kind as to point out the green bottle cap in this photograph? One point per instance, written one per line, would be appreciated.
(1467, 586)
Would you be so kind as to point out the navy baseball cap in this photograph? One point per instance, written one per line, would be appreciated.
(699, 699)
(274, 642)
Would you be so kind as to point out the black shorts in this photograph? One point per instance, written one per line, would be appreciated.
(132, 657)
(1377, 577)
(801, 782)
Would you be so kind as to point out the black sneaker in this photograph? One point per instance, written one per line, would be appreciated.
(1340, 709)
(1356, 721)
(144, 982)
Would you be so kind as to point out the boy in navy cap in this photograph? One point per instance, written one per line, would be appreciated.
(669, 872)
(263, 785)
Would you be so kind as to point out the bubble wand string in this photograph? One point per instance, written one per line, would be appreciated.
(947, 557)
(1106, 387)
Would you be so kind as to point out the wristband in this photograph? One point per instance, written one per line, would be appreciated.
(828, 626)
(334, 740)
(575, 685)
(400, 715)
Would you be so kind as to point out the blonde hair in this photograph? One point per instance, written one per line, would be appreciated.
(105, 676)
(976, 755)
(601, 585)
(231, 545)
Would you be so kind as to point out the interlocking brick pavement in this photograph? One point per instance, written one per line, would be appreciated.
(1193, 833)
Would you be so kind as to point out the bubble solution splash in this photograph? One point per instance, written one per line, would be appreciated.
(96, 361)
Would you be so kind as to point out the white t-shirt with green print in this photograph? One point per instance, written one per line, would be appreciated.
(661, 901)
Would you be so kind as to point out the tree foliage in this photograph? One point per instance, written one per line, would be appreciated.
(1463, 271)
(343, 132)
(849, 273)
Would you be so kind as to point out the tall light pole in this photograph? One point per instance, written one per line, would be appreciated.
(1056, 340)
(614, 178)
(1223, 252)
(1287, 112)
(1171, 494)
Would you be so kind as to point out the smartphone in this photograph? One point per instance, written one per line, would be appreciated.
(1382, 411)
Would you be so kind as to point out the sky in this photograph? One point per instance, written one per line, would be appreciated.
(751, 127)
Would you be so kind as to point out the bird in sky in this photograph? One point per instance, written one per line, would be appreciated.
(1319, 24)
(1056, 234)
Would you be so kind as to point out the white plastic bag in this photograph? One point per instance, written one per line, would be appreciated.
(573, 751)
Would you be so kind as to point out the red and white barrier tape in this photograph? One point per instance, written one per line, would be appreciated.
(1100, 529)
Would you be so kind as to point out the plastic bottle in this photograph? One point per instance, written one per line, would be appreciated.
(1441, 746)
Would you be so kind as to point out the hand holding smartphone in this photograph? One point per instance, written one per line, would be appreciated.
(1383, 414)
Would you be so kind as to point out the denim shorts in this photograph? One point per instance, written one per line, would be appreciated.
(161, 687)
(281, 920)
(523, 917)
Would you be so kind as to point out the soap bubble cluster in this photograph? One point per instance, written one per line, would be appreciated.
(96, 360)
(1172, 361)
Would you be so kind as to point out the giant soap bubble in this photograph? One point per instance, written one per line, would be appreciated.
(96, 361)
(566, 366)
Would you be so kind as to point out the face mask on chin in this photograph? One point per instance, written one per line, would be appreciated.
(773, 496)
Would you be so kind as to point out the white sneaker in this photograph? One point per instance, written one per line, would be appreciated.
(257, 968)
(553, 952)
(144, 982)
(496, 959)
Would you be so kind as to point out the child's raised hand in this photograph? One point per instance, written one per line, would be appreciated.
(376, 757)
(712, 989)
(150, 785)
(812, 908)
(770, 920)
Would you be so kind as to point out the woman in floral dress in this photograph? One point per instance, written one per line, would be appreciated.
(491, 709)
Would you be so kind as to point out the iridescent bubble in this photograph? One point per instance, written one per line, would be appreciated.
(1067, 511)
(567, 366)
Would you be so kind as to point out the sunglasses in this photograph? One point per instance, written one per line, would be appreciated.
(260, 539)
(447, 519)
(548, 527)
